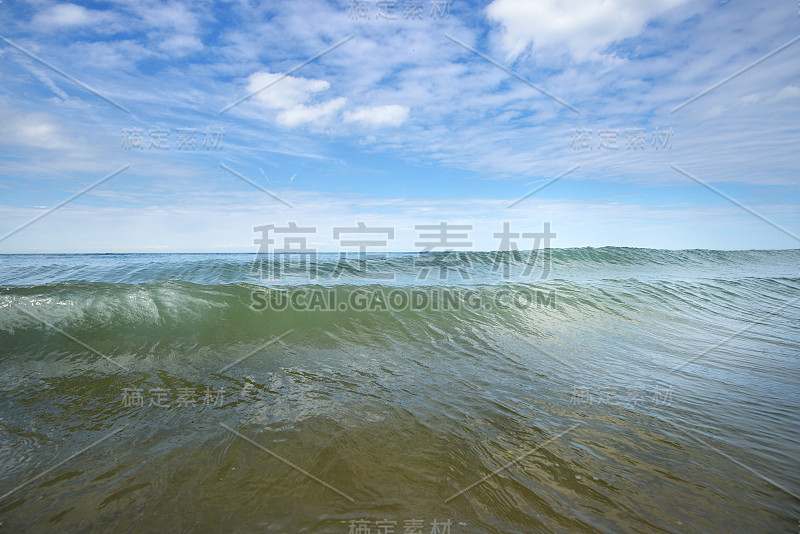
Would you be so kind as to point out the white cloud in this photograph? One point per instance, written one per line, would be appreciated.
(584, 28)
(67, 15)
(175, 26)
(311, 114)
(116, 55)
(392, 115)
(289, 96)
(285, 93)
(45, 79)
(749, 99)
(38, 131)
(174, 16)
(786, 93)
(180, 45)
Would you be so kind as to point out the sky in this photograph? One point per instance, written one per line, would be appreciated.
(143, 126)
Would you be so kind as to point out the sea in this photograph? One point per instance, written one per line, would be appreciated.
(565, 390)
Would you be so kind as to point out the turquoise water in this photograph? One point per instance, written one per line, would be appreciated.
(606, 390)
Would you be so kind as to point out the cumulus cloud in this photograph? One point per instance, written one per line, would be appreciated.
(290, 96)
(584, 28)
(392, 115)
(302, 114)
(283, 93)
(69, 15)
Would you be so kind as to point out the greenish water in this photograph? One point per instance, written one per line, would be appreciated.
(631, 390)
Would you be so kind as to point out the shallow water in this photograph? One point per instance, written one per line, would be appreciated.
(617, 390)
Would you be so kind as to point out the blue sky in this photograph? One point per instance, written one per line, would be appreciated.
(404, 123)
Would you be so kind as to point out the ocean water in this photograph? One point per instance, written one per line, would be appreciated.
(586, 390)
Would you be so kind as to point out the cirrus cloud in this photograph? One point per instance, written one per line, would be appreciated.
(392, 115)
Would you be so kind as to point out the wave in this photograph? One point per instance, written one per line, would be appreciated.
(179, 313)
(481, 267)
(423, 396)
